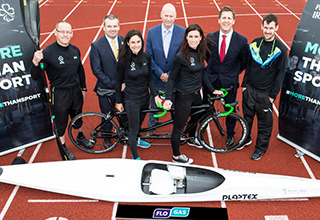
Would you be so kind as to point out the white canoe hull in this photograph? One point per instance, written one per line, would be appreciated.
(122, 180)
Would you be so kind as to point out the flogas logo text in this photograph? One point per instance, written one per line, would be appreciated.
(174, 212)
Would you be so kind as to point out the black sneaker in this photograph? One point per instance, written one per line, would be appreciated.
(246, 143)
(68, 153)
(256, 155)
(182, 159)
(194, 142)
(230, 141)
(82, 140)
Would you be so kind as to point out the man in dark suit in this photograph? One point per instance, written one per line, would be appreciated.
(228, 58)
(163, 43)
(103, 60)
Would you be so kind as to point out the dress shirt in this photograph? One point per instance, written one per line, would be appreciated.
(228, 39)
(169, 35)
(115, 41)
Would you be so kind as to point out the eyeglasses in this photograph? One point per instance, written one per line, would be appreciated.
(64, 32)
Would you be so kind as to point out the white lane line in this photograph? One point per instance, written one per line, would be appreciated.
(98, 33)
(184, 13)
(114, 212)
(145, 20)
(52, 32)
(157, 20)
(61, 200)
(257, 13)
(42, 3)
(16, 188)
(214, 1)
(288, 10)
(276, 217)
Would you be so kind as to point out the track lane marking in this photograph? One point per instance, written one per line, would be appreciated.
(52, 32)
(98, 33)
(288, 10)
(16, 188)
(61, 200)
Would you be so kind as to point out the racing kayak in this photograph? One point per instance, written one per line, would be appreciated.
(124, 180)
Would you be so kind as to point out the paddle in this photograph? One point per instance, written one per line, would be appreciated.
(31, 21)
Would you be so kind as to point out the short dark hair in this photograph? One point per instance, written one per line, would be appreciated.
(110, 17)
(227, 8)
(270, 18)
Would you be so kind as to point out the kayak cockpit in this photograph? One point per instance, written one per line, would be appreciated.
(165, 179)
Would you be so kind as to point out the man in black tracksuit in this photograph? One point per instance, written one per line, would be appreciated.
(262, 81)
(65, 72)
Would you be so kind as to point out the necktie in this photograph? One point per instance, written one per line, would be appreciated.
(115, 49)
(166, 42)
(223, 48)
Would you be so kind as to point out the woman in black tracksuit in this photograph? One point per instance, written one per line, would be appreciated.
(134, 69)
(189, 66)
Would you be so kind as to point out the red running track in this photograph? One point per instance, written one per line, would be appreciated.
(86, 18)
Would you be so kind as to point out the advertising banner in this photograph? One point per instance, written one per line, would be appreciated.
(25, 117)
(299, 119)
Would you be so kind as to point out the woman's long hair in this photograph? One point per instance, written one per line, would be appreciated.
(125, 53)
(202, 48)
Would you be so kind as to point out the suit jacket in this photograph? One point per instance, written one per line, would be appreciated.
(154, 47)
(234, 62)
(103, 62)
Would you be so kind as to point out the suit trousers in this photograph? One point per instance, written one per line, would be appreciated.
(256, 102)
(230, 98)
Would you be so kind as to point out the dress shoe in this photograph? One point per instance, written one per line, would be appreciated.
(107, 143)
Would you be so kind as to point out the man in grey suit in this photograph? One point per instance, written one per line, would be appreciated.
(228, 58)
(163, 43)
(103, 60)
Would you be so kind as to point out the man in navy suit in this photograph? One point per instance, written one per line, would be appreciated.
(223, 69)
(103, 60)
(163, 43)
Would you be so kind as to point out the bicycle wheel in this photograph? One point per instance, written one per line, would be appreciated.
(212, 133)
(93, 132)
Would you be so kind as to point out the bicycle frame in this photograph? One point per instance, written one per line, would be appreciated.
(208, 108)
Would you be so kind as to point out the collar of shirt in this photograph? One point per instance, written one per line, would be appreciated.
(164, 33)
(110, 41)
(228, 39)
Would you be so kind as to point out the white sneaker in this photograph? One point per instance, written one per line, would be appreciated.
(182, 159)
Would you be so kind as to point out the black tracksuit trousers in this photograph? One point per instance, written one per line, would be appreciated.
(256, 102)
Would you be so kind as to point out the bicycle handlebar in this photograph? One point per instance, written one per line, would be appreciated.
(162, 114)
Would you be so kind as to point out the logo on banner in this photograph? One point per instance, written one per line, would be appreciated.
(7, 12)
(174, 212)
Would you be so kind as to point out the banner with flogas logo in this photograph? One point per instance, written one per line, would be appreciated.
(166, 212)
(299, 119)
(25, 118)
